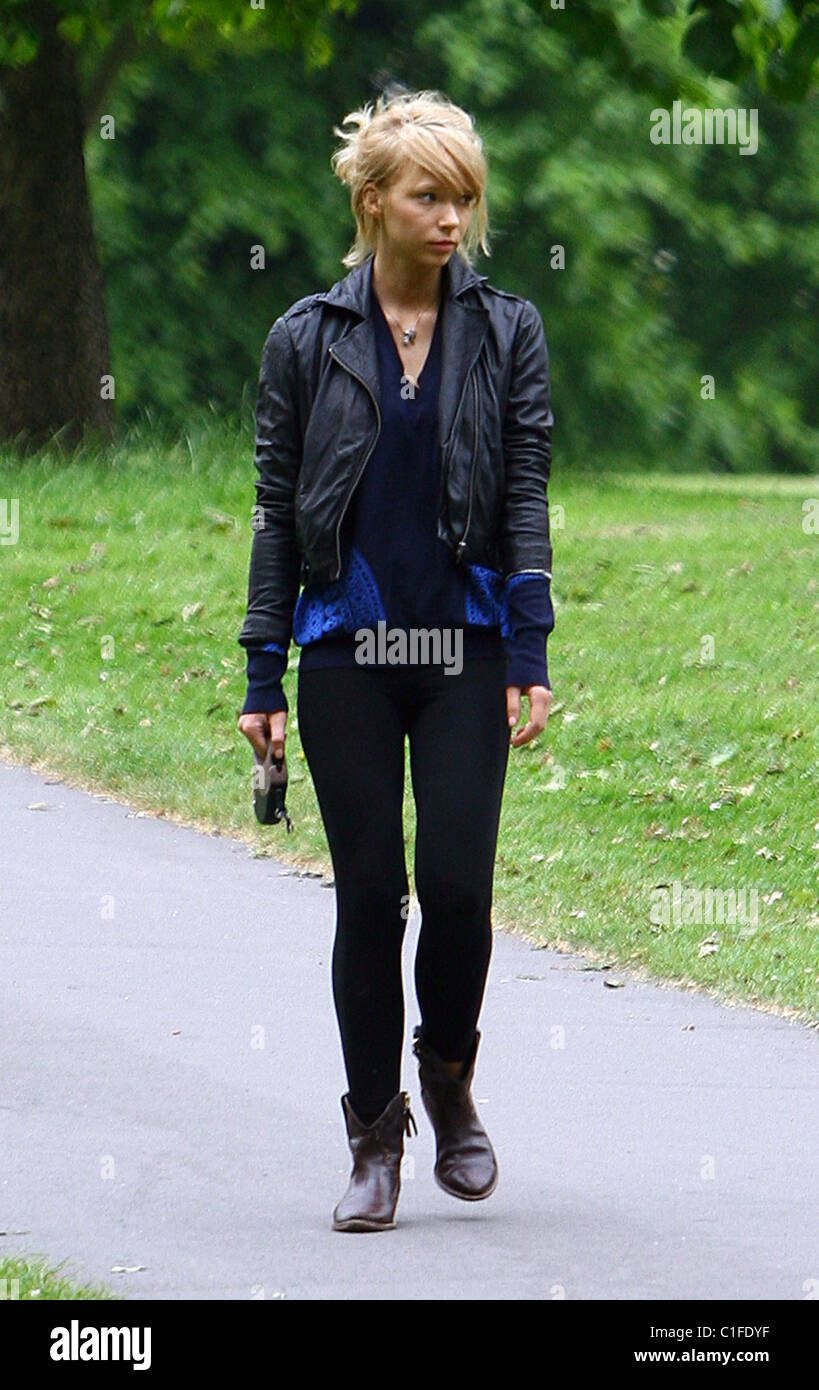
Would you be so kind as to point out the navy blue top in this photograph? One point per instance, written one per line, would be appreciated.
(395, 569)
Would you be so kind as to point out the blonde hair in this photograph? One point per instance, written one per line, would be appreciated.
(422, 126)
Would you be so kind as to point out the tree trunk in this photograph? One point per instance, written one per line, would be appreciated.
(53, 328)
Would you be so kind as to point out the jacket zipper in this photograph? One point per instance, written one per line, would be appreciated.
(357, 478)
(462, 542)
(408, 1117)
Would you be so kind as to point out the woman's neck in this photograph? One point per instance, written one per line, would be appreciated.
(406, 287)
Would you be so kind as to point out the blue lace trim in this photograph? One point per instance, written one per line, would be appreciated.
(353, 601)
(350, 602)
(485, 599)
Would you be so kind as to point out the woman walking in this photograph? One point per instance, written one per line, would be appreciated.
(403, 447)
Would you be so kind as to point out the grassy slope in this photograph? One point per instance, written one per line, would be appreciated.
(664, 762)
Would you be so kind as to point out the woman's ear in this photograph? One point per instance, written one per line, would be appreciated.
(371, 200)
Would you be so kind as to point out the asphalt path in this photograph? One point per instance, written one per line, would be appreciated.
(170, 1082)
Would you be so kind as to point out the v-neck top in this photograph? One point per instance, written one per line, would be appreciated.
(393, 520)
(395, 568)
(384, 336)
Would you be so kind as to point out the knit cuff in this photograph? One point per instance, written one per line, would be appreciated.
(528, 668)
(531, 619)
(265, 667)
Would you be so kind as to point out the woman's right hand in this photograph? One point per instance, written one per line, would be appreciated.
(262, 729)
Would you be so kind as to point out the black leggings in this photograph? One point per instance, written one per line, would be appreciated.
(352, 723)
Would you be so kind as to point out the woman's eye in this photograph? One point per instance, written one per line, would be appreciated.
(465, 197)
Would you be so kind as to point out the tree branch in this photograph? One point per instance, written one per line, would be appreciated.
(124, 45)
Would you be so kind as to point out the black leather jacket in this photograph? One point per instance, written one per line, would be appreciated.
(318, 419)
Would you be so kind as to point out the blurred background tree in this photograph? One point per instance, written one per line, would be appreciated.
(59, 64)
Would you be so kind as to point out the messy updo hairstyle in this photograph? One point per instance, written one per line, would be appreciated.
(423, 126)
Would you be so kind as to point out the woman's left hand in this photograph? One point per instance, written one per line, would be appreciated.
(540, 699)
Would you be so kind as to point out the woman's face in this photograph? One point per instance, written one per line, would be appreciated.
(417, 213)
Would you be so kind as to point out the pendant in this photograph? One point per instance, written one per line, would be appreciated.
(409, 336)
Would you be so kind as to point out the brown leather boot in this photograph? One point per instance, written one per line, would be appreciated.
(465, 1163)
(375, 1181)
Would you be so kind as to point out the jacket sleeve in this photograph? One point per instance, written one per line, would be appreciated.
(525, 543)
(526, 551)
(275, 561)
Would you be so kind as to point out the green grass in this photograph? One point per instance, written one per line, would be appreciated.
(681, 746)
(30, 1279)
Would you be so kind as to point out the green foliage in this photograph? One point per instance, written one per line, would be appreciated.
(680, 261)
(200, 28)
(775, 42)
(770, 42)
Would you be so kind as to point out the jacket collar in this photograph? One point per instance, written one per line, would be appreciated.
(463, 331)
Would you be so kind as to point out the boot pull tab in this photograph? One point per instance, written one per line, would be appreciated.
(409, 1118)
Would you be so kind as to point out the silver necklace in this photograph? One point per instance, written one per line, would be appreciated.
(408, 334)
